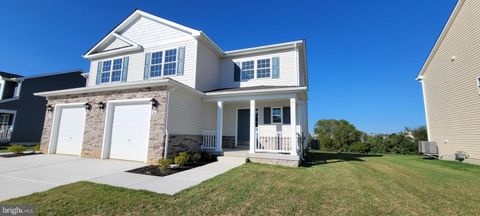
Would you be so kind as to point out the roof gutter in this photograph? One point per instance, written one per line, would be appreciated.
(106, 87)
(257, 92)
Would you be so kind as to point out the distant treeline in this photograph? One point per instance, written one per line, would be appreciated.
(342, 136)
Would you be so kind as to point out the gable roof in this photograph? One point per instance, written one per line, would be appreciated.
(134, 46)
(441, 38)
(197, 34)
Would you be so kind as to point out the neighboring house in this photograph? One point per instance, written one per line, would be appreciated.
(157, 88)
(450, 80)
(21, 113)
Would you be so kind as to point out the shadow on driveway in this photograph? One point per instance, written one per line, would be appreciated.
(318, 158)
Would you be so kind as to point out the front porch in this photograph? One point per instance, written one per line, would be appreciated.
(269, 129)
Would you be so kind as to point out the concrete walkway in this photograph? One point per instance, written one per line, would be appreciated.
(22, 176)
(171, 184)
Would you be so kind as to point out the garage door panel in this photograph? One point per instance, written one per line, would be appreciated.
(70, 131)
(130, 131)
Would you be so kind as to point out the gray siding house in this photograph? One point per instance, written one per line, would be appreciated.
(21, 113)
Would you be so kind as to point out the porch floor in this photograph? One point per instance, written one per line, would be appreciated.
(244, 152)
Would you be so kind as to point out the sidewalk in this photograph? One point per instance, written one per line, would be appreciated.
(171, 184)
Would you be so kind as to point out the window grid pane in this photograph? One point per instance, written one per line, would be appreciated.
(157, 58)
(247, 70)
(263, 68)
(277, 115)
(105, 77)
(156, 70)
(156, 64)
(169, 69)
(117, 70)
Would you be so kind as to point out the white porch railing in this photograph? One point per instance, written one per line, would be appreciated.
(273, 142)
(5, 132)
(209, 139)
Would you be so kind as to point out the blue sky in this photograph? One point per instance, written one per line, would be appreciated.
(363, 56)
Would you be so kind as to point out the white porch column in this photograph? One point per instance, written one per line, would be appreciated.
(252, 126)
(293, 125)
(218, 140)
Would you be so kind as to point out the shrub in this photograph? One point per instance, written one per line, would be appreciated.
(163, 164)
(36, 148)
(17, 149)
(182, 159)
(196, 157)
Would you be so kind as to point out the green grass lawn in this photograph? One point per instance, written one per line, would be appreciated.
(331, 184)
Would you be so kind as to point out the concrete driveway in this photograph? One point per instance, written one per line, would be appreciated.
(21, 176)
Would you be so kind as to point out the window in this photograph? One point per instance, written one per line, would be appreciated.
(4, 120)
(163, 61)
(170, 62)
(111, 73)
(156, 64)
(117, 70)
(263, 68)
(276, 115)
(247, 72)
(106, 71)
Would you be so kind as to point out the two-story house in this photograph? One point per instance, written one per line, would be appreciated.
(21, 113)
(157, 88)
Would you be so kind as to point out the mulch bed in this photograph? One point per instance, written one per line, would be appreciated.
(153, 170)
(16, 155)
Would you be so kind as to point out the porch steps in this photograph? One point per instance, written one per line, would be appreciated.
(232, 159)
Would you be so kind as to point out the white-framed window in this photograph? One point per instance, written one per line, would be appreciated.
(263, 68)
(277, 114)
(111, 72)
(247, 71)
(170, 66)
(164, 61)
(156, 64)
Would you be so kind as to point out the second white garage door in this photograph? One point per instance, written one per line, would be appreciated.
(130, 131)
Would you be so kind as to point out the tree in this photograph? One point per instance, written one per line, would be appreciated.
(420, 134)
(336, 135)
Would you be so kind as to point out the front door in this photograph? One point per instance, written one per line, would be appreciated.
(243, 126)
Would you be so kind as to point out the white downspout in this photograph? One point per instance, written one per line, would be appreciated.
(165, 152)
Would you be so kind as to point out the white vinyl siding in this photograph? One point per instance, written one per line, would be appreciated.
(230, 116)
(288, 71)
(136, 63)
(116, 44)
(184, 113)
(208, 67)
(148, 33)
(450, 87)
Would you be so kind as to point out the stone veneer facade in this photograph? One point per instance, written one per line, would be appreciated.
(95, 119)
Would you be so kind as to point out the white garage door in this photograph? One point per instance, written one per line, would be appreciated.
(70, 130)
(130, 132)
